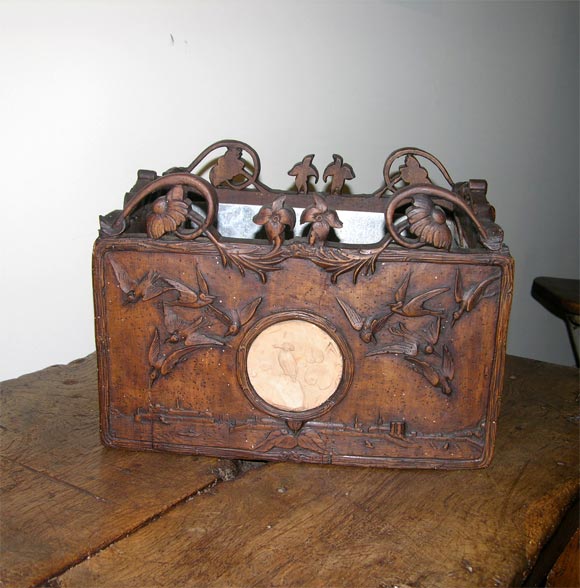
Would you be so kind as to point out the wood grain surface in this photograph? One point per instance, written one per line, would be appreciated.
(63, 495)
(311, 525)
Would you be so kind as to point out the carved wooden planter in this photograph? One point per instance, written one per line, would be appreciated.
(303, 348)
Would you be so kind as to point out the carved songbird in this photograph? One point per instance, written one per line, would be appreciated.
(440, 376)
(287, 361)
(163, 359)
(469, 298)
(303, 171)
(366, 326)
(340, 172)
(180, 329)
(190, 297)
(413, 342)
(149, 286)
(235, 319)
(414, 307)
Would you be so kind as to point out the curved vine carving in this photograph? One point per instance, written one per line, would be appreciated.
(411, 172)
(427, 197)
(418, 214)
(162, 220)
(230, 165)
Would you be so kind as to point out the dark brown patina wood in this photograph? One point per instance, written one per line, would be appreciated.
(420, 317)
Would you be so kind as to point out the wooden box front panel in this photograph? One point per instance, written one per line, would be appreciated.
(401, 369)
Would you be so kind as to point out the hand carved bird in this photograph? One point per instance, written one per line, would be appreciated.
(367, 326)
(414, 307)
(235, 319)
(340, 172)
(413, 341)
(287, 361)
(190, 297)
(303, 171)
(148, 287)
(163, 360)
(469, 298)
(439, 377)
(181, 330)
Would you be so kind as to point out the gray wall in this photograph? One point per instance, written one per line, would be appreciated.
(92, 91)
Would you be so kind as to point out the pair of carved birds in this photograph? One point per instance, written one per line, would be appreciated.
(152, 285)
(338, 170)
(369, 326)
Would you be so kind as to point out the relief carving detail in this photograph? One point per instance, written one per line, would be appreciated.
(294, 365)
(185, 325)
(417, 336)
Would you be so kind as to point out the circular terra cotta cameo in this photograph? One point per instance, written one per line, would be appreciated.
(294, 365)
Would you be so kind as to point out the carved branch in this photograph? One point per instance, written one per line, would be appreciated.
(441, 199)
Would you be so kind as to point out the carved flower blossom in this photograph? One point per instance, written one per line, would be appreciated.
(322, 218)
(428, 222)
(169, 212)
(275, 219)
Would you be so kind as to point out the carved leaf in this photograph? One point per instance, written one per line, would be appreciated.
(228, 166)
(340, 172)
(309, 439)
(412, 172)
(278, 438)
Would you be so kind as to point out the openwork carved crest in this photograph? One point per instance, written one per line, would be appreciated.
(418, 213)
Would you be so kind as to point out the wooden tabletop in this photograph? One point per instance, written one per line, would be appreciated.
(74, 513)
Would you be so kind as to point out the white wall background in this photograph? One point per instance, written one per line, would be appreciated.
(92, 91)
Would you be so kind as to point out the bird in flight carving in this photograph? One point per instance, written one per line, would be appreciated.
(340, 172)
(180, 329)
(235, 320)
(415, 306)
(366, 326)
(303, 171)
(149, 286)
(163, 359)
(413, 342)
(440, 376)
(191, 297)
(469, 298)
